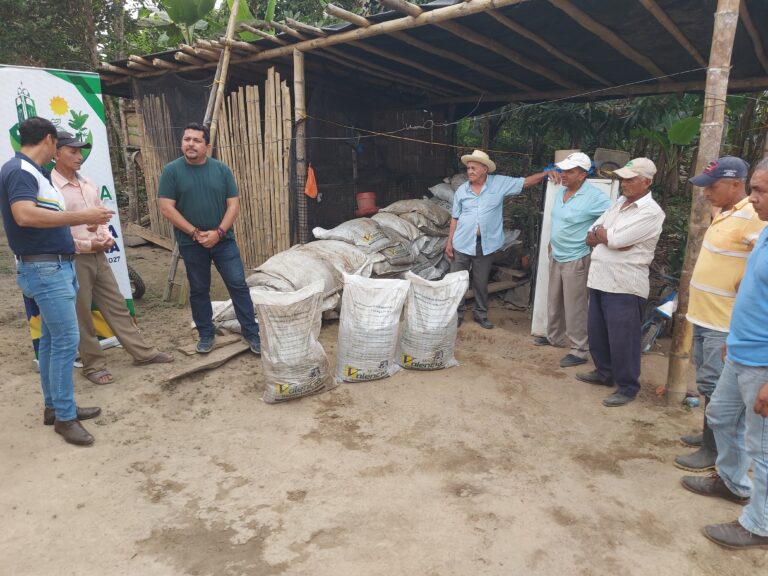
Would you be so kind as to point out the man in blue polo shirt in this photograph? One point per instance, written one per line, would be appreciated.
(738, 410)
(38, 232)
(577, 205)
(476, 230)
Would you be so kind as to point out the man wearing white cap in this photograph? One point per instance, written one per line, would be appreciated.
(623, 241)
(577, 205)
(476, 230)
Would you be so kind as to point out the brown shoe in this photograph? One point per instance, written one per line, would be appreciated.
(712, 485)
(734, 536)
(73, 432)
(49, 416)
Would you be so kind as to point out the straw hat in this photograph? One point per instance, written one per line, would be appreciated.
(481, 157)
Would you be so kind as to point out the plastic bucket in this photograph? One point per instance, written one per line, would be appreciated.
(366, 201)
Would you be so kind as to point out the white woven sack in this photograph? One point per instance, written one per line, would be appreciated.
(443, 191)
(368, 328)
(428, 335)
(391, 221)
(425, 224)
(293, 361)
(361, 232)
(440, 217)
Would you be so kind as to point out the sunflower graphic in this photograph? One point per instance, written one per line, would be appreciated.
(59, 106)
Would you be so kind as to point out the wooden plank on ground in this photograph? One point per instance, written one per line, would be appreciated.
(209, 361)
(494, 287)
(148, 235)
(220, 341)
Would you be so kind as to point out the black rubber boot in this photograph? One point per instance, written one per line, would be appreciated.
(705, 457)
(693, 440)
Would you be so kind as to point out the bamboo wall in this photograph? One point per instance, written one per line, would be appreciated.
(255, 142)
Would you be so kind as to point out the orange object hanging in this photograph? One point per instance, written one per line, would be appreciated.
(310, 188)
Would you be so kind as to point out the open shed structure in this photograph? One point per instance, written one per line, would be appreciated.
(383, 93)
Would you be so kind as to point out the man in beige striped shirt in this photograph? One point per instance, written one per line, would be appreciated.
(623, 241)
(716, 277)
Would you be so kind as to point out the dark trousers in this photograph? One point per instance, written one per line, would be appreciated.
(480, 264)
(226, 257)
(614, 325)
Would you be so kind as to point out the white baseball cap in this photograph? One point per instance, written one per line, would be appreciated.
(637, 167)
(575, 160)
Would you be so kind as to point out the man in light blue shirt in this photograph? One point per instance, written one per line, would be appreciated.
(577, 205)
(476, 230)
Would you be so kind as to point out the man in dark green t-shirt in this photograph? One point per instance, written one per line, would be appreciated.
(198, 195)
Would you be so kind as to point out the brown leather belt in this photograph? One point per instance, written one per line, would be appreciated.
(46, 258)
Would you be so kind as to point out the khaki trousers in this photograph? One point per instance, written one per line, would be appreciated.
(567, 304)
(98, 286)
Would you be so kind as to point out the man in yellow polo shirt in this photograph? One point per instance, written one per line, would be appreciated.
(716, 278)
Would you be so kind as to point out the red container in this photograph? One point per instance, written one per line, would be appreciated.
(366, 201)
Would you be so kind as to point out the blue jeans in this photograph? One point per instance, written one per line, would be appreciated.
(613, 325)
(226, 257)
(708, 357)
(53, 285)
(742, 437)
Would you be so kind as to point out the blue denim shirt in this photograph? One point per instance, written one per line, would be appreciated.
(484, 210)
(571, 221)
(748, 339)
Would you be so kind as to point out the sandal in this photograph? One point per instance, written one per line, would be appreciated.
(100, 377)
(159, 358)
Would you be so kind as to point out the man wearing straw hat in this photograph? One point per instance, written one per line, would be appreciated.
(198, 195)
(476, 230)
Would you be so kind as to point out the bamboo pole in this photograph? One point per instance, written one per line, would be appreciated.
(726, 20)
(222, 80)
(300, 114)
(286, 155)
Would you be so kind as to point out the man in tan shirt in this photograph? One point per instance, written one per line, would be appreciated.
(623, 240)
(94, 275)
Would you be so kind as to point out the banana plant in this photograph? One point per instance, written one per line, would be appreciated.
(183, 16)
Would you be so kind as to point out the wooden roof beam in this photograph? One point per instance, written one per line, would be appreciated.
(189, 59)
(112, 69)
(356, 20)
(672, 28)
(753, 34)
(743, 84)
(608, 36)
(140, 64)
(241, 46)
(471, 36)
(261, 34)
(287, 30)
(306, 28)
(433, 17)
(536, 39)
(448, 55)
(351, 17)
(427, 18)
(159, 63)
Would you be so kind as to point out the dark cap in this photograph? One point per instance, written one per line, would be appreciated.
(68, 139)
(725, 167)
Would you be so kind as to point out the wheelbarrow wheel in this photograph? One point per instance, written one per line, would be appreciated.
(137, 284)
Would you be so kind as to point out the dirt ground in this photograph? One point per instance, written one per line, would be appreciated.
(505, 465)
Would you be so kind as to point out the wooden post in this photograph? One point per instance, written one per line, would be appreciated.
(220, 82)
(301, 144)
(726, 20)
